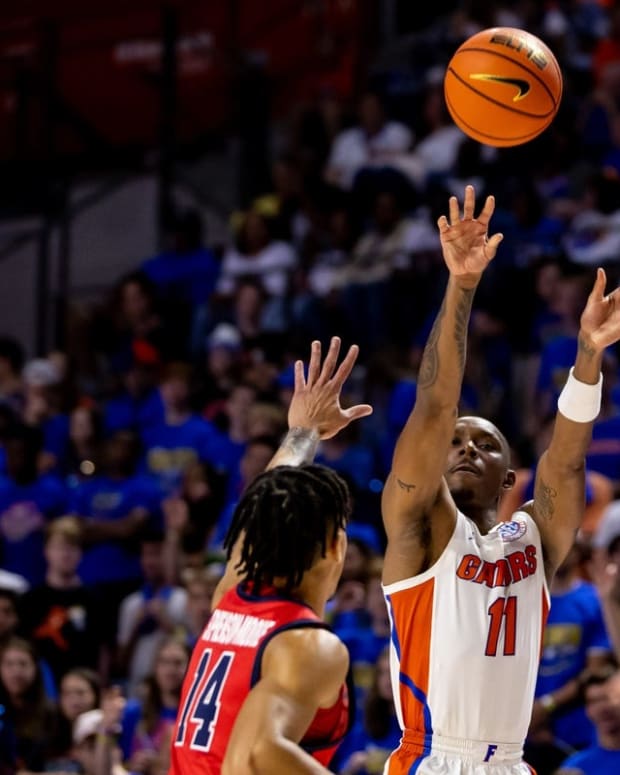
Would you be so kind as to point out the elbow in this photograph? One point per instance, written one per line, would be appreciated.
(564, 463)
(257, 759)
(431, 405)
(262, 758)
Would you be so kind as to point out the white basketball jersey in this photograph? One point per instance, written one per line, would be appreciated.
(467, 634)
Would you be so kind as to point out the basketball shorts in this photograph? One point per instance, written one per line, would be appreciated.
(451, 756)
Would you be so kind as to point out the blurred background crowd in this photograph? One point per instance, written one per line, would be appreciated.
(127, 438)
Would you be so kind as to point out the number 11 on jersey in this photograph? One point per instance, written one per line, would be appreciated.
(502, 611)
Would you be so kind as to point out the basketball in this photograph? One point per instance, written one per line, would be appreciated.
(503, 86)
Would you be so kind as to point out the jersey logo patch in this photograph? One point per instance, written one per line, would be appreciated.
(511, 531)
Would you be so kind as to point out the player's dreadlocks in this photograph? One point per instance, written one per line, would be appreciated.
(288, 515)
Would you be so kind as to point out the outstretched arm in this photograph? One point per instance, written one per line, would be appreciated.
(415, 485)
(314, 414)
(559, 492)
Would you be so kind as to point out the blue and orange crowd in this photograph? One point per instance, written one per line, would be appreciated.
(122, 458)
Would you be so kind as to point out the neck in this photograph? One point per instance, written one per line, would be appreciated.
(381, 626)
(237, 431)
(83, 448)
(169, 699)
(62, 580)
(484, 518)
(609, 740)
(562, 583)
(313, 594)
(176, 416)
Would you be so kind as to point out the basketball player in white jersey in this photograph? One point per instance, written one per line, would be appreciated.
(467, 597)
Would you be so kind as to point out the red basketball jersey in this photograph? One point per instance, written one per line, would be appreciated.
(224, 667)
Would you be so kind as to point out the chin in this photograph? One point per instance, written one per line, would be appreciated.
(463, 496)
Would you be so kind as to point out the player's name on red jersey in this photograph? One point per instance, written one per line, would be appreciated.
(516, 566)
(236, 629)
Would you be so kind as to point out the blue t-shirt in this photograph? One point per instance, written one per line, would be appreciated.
(575, 627)
(594, 761)
(604, 452)
(110, 499)
(556, 359)
(124, 412)
(24, 511)
(188, 277)
(56, 436)
(356, 463)
(170, 449)
(364, 648)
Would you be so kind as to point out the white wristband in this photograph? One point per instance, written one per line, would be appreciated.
(579, 401)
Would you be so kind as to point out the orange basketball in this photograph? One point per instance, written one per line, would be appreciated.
(503, 86)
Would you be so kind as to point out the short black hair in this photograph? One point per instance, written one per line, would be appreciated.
(287, 516)
(12, 351)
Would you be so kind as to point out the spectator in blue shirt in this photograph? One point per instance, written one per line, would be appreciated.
(187, 272)
(115, 505)
(28, 501)
(574, 641)
(602, 694)
(367, 746)
(138, 403)
(182, 438)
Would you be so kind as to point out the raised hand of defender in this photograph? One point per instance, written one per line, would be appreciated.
(316, 399)
(600, 320)
(467, 248)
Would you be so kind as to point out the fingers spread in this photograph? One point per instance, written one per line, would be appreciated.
(598, 291)
(454, 211)
(357, 411)
(493, 243)
(469, 203)
(346, 366)
(487, 210)
(314, 366)
(300, 382)
(330, 360)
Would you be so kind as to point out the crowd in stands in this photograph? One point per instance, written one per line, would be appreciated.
(121, 459)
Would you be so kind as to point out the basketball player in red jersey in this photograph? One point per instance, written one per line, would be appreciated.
(265, 691)
(468, 597)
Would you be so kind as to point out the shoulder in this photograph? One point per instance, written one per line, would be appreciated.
(305, 657)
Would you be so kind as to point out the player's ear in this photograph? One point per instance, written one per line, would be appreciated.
(338, 547)
(509, 480)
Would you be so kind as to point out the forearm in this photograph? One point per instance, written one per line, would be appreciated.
(104, 754)
(443, 361)
(298, 447)
(570, 440)
(171, 555)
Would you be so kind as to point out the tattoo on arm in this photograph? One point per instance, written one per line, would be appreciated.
(543, 500)
(430, 359)
(405, 485)
(461, 321)
(429, 368)
(585, 348)
(298, 447)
